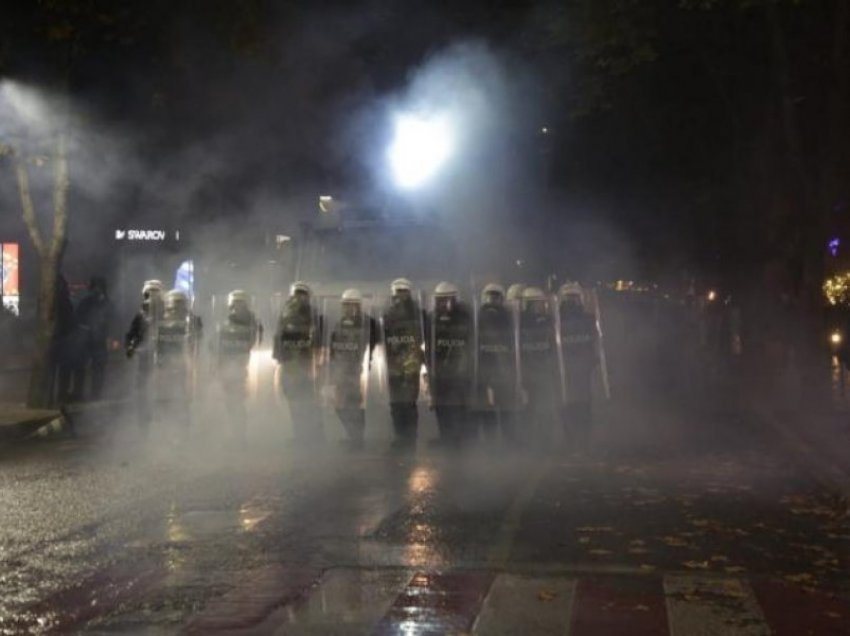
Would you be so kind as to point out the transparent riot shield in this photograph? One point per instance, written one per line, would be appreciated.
(555, 304)
(298, 351)
(592, 300)
(400, 368)
(495, 365)
(478, 389)
(174, 369)
(345, 374)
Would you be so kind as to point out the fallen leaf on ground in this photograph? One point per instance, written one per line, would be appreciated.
(547, 595)
(696, 565)
(675, 542)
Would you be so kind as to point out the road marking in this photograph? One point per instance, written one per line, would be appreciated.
(437, 604)
(345, 602)
(501, 551)
(698, 606)
(525, 605)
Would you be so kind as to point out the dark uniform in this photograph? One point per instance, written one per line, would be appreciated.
(352, 338)
(496, 376)
(235, 337)
(540, 373)
(94, 313)
(579, 341)
(403, 341)
(296, 347)
(450, 348)
(139, 343)
(176, 346)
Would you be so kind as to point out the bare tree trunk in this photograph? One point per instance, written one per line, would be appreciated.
(50, 258)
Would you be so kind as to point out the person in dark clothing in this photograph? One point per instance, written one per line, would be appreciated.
(297, 346)
(352, 342)
(403, 331)
(450, 347)
(539, 366)
(93, 317)
(140, 342)
(579, 348)
(496, 366)
(235, 337)
(62, 350)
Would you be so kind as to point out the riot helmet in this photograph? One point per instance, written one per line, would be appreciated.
(401, 290)
(514, 293)
(572, 295)
(445, 296)
(352, 302)
(534, 301)
(176, 304)
(493, 295)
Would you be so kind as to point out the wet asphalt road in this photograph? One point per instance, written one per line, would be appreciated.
(114, 533)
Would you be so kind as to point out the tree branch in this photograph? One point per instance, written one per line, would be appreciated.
(27, 206)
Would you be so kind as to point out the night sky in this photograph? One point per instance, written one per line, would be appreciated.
(668, 122)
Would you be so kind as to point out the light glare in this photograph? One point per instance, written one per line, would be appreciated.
(419, 148)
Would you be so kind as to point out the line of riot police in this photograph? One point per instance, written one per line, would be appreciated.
(514, 364)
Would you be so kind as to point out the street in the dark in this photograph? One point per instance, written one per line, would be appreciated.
(377, 317)
(676, 523)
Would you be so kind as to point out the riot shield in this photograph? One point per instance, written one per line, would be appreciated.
(495, 364)
(515, 308)
(540, 369)
(297, 348)
(345, 374)
(592, 299)
(400, 358)
(559, 347)
(174, 368)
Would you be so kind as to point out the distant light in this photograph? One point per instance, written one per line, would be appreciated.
(184, 280)
(833, 246)
(327, 203)
(836, 338)
(27, 104)
(419, 148)
(712, 296)
(280, 239)
(837, 289)
(544, 130)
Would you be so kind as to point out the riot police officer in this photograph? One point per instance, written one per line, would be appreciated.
(296, 348)
(450, 349)
(235, 337)
(579, 341)
(140, 342)
(176, 352)
(352, 340)
(496, 365)
(539, 364)
(403, 331)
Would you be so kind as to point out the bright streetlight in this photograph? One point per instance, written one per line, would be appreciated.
(420, 147)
